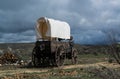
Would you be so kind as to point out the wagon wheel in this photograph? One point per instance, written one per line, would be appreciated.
(74, 56)
(34, 58)
(60, 56)
(52, 59)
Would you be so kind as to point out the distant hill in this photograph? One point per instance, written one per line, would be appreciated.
(30, 46)
(17, 45)
(24, 50)
(92, 49)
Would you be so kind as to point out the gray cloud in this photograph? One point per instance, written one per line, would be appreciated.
(91, 37)
(90, 20)
(27, 36)
(14, 5)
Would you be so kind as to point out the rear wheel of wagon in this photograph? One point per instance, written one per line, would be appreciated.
(60, 56)
(34, 58)
(74, 56)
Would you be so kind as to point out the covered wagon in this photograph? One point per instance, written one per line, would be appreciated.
(53, 43)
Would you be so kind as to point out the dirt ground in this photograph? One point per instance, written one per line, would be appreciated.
(15, 70)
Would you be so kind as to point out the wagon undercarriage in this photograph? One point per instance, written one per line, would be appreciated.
(53, 53)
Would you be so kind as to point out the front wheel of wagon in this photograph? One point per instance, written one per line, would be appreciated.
(60, 56)
(74, 56)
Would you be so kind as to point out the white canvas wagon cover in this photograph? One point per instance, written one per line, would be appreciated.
(50, 28)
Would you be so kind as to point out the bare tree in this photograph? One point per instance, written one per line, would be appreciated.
(113, 50)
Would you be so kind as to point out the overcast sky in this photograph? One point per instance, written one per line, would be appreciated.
(91, 21)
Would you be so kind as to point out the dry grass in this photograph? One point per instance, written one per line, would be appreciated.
(101, 70)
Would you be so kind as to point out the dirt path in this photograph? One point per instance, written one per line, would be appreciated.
(17, 71)
(39, 70)
(105, 64)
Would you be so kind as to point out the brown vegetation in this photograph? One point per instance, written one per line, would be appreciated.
(8, 58)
